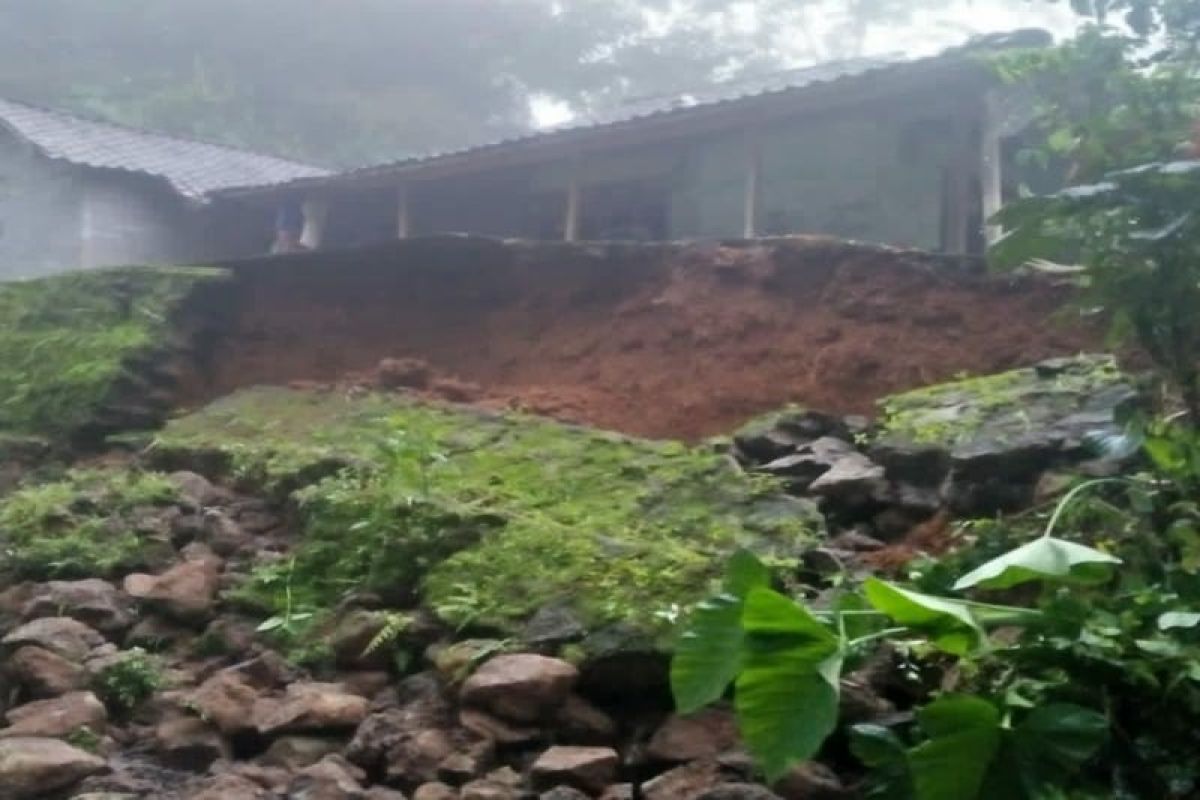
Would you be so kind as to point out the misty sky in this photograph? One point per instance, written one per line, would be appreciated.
(929, 32)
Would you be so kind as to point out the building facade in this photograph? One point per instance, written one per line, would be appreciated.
(78, 193)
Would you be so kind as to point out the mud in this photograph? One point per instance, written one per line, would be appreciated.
(678, 341)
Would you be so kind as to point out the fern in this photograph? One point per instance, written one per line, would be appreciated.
(395, 623)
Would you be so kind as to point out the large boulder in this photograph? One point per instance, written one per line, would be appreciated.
(523, 687)
(94, 602)
(1000, 433)
(58, 717)
(310, 707)
(590, 769)
(186, 592)
(42, 673)
(63, 636)
(32, 767)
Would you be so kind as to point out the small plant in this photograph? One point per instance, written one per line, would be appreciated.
(85, 739)
(129, 681)
(394, 624)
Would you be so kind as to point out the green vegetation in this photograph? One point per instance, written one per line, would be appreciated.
(486, 518)
(64, 340)
(128, 681)
(1009, 403)
(1088, 688)
(85, 525)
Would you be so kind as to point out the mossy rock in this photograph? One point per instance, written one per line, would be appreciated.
(91, 523)
(1056, 402)
(486, 518)
(66, 340)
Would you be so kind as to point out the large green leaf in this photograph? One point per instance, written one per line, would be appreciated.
(708, 654)
(787, 691)
(950, 624)
(882, 750)
(1052, 743)
(1045, 558)
(964, 738)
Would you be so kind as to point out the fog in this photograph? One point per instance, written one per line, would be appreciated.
(363, 81)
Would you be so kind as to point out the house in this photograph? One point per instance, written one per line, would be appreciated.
(907, 152)
(79, 193)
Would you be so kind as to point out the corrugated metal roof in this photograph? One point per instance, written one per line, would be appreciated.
(732, 93)
(194, 169)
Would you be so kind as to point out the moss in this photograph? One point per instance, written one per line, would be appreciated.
(486, 518)
(64, 340)
(85, 525)
(1008, 403)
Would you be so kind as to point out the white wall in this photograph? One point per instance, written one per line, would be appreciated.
(39, 212)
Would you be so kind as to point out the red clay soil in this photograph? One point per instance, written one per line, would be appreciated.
(678, 341)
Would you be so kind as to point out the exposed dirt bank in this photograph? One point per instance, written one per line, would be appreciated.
(677, 341)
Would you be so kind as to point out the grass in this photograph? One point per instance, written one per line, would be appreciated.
(85, 525)
(486, 518)
(64, 340)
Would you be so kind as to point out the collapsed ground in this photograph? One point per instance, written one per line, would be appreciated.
(312, 574)
(665, 341)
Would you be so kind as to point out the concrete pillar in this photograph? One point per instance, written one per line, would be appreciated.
(316, 212)
(750, 199)
(403, 214)
(571, 223)
(992, 168)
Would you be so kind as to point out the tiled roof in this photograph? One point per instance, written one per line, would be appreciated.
(194, 169)
(729, 94)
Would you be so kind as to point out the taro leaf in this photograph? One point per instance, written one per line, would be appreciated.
(949, 623)
(882, 750)
(1178, 619)
(1053, 742)
(964, 738)
(1045, 558)
(708, 654)
(787, 691)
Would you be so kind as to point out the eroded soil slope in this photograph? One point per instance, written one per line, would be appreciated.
(677, 341)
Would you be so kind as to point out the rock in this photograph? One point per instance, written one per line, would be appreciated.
(156, 634)
(416, 757)
(95, 603)
(195, 490)
(226, 537)
(812, 781)
(738, 791)
(1002, 431)
(580, 722)
(354, 634)
(488, 790)
(43, 673)
(297, 752)
(497, 730)
(701, 736)
(522, 688)
(186, 592)
(309, 707)
(590, 769)
(782, 432)
(435, 791)
(459, 768)
(189, 743)
(455, 662)
(563, 793)
(383, 793)
(332, 778)
(921, 465)
(58, 717)
(853, 476)
(682, 783)
(227, 635)
(553, 625)
(33, 767)
(403, 373)
(619, 791)
(228, 701)
(63, 636)
(230, 787)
